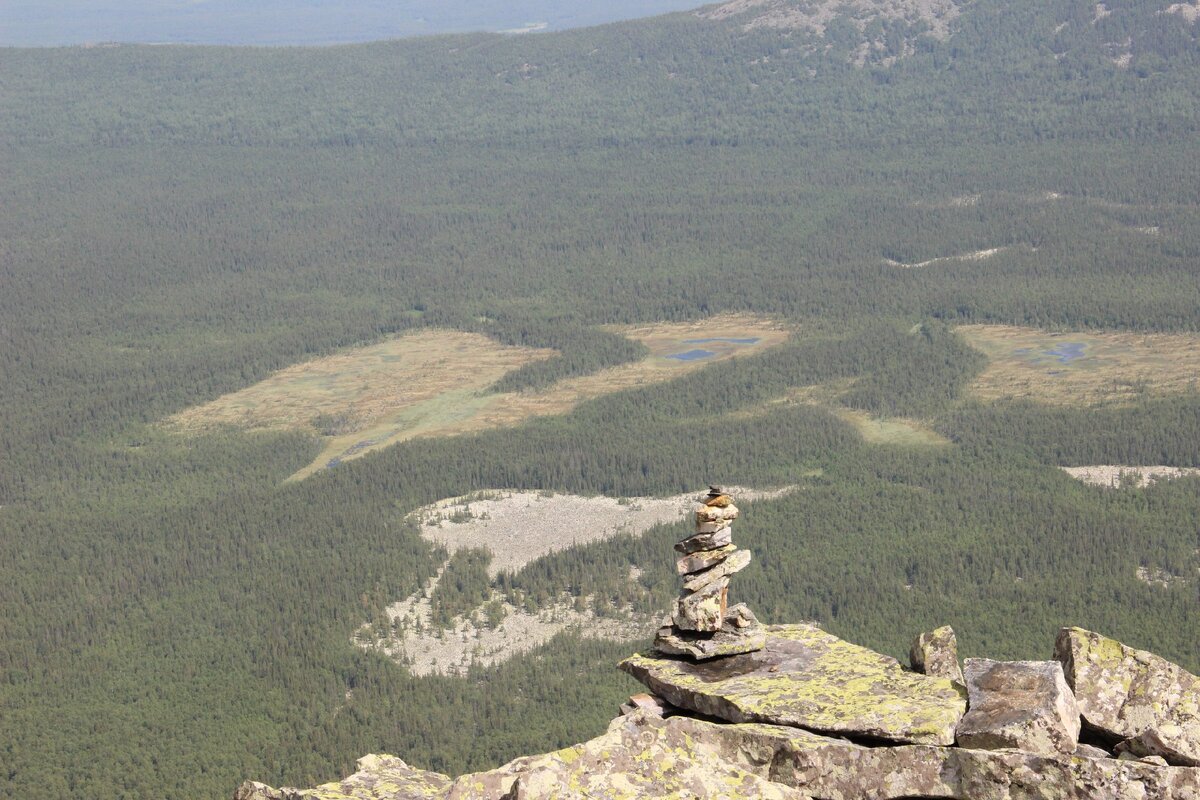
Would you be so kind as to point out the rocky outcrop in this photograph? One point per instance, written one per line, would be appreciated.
(645, 756)
(640, 756)
(1150, 704)
(805, 715)
(1019, 705)
(810, 679)
(834, 768)
(936, 653)
(378, 778)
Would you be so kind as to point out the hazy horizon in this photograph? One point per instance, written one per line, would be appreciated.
(28, 23)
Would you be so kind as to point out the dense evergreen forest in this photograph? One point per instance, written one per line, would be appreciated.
(177, 223)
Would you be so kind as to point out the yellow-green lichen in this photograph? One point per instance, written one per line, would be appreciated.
(823, 684)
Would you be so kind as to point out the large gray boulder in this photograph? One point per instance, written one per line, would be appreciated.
(811, 679)
(1020, 705)
(1133, 695)
(936, 653)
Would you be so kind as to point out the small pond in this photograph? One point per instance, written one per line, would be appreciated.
(1067, 352)
(692, 355)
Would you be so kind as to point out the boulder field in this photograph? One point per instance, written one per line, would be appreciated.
(810, 716)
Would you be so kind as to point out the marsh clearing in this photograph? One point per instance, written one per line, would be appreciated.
(436, 383)
(1081, 368)
(892, 430)
(901, 431)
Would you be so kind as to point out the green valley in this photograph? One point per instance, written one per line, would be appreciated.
(220, 268)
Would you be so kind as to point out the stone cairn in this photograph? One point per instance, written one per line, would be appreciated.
(702, 624)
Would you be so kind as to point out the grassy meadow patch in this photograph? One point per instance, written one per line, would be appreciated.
(434, 383)
(1081, 368)
(891, 430)
(873, 429)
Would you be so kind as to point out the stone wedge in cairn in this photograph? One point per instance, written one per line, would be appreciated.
(702, 625)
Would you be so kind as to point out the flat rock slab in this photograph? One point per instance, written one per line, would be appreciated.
(735, 563)
(1020, 705)
(703, 559)
(807, 678)
(705, 541)
(1133, 695)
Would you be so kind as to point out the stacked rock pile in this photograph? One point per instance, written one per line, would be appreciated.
(702, 624)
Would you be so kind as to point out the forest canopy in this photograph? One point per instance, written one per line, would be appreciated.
(178, 224)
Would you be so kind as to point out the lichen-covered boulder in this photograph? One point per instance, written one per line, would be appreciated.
(640, 756)
(811, 679)
(1173, 743)
(936, 653)
(1022, 705)
(840, 770)
(1133, 695)
(379, 777)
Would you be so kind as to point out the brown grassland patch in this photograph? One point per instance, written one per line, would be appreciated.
(434, 383)
(1081, 368)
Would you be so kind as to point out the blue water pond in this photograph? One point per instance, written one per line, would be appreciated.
(1067, 352)
(693, 355)
(752, 340)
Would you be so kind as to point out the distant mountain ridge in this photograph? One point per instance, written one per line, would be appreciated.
(26, 23)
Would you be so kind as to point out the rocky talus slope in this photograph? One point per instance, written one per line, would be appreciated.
(813, 716)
